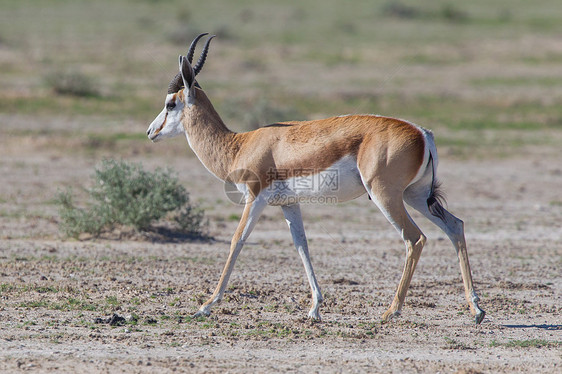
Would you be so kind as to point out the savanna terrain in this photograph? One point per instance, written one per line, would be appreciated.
(81, 80)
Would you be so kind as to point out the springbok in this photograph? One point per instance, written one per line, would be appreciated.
(393, 160)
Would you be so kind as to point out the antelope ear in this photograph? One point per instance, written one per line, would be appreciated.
(186, 72)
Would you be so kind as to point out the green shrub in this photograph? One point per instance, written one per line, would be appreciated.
(125, 194)
(453, 14)
(72, 83)
(398, 9)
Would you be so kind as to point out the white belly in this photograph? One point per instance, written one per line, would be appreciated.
(339, 182)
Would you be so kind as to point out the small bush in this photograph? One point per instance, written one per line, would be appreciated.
(72, 83)
(398, 9)
(448, 12)
(453, 14)
(125, 194)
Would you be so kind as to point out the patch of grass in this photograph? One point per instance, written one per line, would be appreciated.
(271, 330)
(454, 344)
(210, 325)
(234, 217)
(133, 320)
(46, 289)
(76, 304)
(169, 290)
(523, 81)
(6, 287)
(125, 194)
(548, 58)
(530, 343)
(29, 323)
(491, 124)
(34, 304)
(112, 301)
(432, 59)
(67, 304)
(70, 304)
(110, 107)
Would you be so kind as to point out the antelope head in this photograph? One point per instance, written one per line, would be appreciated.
(181, 95)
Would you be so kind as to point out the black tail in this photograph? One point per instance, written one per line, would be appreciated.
(436, 198)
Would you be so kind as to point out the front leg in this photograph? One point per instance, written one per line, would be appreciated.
(250, 216)
(294, 220)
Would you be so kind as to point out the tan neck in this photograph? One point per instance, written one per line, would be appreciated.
(210, 139)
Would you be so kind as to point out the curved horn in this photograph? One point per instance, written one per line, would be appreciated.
(191, 49)
(176, 84)
(197, 68)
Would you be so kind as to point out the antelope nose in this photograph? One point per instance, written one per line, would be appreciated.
(148, 132)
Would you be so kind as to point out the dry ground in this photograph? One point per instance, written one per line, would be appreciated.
(486, 76)
(57, 295)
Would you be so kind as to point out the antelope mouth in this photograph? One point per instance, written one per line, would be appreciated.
(154, 137)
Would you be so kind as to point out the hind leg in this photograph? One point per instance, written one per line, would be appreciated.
(392, 206)
(454, 228)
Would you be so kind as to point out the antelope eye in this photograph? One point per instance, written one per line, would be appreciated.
(171, 105)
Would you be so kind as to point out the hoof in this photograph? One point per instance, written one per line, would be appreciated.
(201, 313)
(388, 315)
(479, 316)
(315, 316)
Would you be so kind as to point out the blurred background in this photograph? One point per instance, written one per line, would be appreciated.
(89, 76)
(81, 80)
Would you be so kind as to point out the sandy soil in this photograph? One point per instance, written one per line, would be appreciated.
(57, 296)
